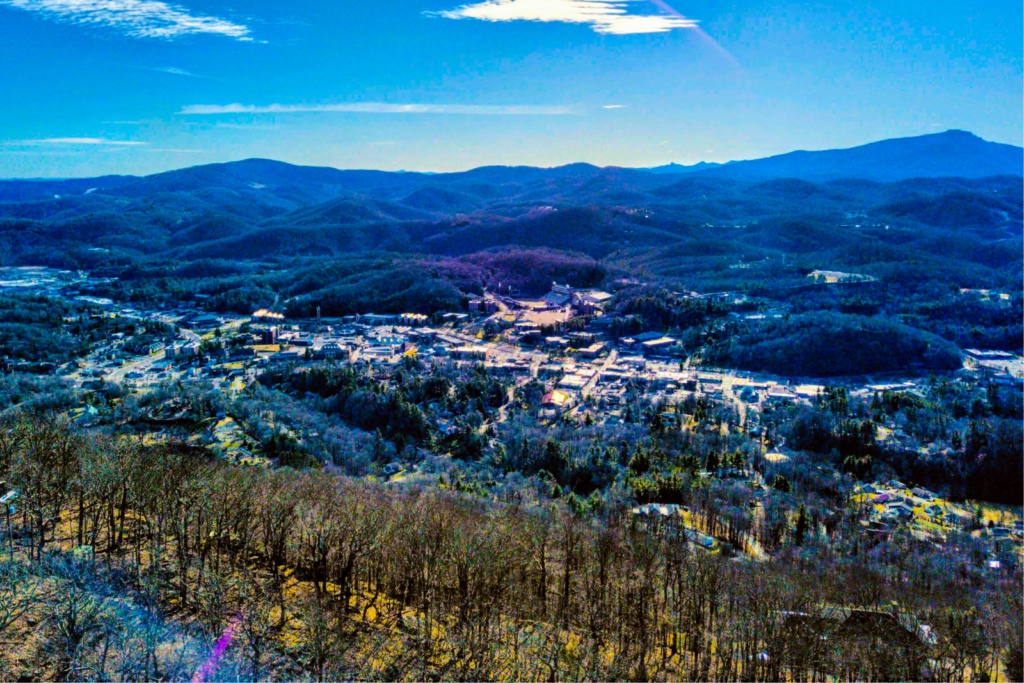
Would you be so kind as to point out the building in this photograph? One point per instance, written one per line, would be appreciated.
(657, 347)
(330, 351)
(471, 353)
(201, 322)
(560, 296)
(556, 342)
(556, 401)
(375, 319)
(780, 394)
(572, 383)
(591, 302)
(413, 319)
(485, 306)
(592, 351)
(581, 339)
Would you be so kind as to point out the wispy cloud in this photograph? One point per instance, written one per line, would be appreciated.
(614, 106)
(378, 108)
(136, 18)
(80, 141)
(177, 151)
(604, 16)
(173, 70)
(244, 126)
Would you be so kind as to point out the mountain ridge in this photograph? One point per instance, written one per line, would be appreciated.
(950, 154)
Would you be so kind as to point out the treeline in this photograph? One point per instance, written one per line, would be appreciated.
(974, 445)
(824, 344)
(410, 409)
(126, 556)
(41, 329)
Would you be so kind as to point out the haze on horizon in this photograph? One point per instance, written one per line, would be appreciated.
(141, 86)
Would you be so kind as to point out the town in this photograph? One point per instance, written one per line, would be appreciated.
(560, 343)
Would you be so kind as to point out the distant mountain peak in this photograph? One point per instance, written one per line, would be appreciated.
(680, 168)
(953, 153)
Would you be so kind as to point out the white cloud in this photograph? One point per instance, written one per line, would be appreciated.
(614, 106)
(81, 141)
(136, 18)
(604, 16)
(377, 108)
(178, 151)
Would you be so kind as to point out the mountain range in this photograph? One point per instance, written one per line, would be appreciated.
(259, 210)
(954, 154)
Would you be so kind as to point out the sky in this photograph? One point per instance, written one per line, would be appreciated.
(95, 87)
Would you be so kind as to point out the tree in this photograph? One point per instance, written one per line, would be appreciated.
(801, 526)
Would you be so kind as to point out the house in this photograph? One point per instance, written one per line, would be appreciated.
(592, 351)
(922, 493)
(900, 508)
(659, 511)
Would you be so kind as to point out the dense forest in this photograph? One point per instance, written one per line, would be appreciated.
(833, 344)
(136, 561)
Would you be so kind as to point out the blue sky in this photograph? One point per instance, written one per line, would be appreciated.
(90, 87)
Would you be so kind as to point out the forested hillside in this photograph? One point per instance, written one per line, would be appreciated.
(142, 562)
(258, 233)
